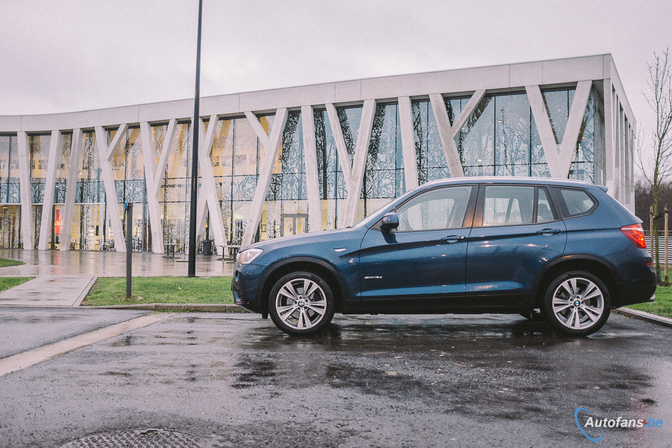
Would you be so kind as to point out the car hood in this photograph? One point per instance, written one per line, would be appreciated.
(328, 245)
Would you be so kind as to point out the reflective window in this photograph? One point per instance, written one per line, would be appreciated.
(508, 205)
(544, 207)
(384, 174)
(39, 154)
(429, 153)
(174, 194)
(129, 180)
(62, 167)
(236, 157)
(588, 161)
(576, 202)
(10, 193)
(91, 229)
(333, 189)
(500, 137)
(286, 209)
(90, 188)
(443, 208)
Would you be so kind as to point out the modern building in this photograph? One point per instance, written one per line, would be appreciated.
(300, 159)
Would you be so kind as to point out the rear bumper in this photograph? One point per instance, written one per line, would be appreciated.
(636, 294)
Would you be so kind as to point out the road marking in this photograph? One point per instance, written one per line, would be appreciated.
(37, 355)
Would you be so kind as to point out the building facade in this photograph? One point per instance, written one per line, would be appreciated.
(286, 161)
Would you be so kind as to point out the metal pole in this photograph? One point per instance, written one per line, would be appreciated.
(129, 248)
(667, 245)
(195, 125)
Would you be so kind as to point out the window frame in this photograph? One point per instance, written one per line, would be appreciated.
(562, 205)
(480, 206)
(467, 222)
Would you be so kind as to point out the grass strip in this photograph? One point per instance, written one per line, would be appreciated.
(5, 262)
(10, 282)
(208, 290)
(662, 306)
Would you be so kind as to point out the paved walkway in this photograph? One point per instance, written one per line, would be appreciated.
(62, 279)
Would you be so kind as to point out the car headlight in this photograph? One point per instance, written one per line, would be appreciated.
(247, 256)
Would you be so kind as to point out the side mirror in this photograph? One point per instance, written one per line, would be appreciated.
(390, 221)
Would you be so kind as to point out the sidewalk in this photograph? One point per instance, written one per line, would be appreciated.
(62, 279)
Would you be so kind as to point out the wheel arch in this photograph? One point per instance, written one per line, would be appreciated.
(587, 263)
(308, 264)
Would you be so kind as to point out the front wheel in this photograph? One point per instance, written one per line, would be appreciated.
(577, 303)
(301, 303)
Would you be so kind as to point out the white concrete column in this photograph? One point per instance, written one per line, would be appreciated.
(49, 186)
(166, 152)
(75, 164)
(609, 149)
(573, 128)
(152, 199)
(24, 186)
(271, 143)
(312, 177)
(559, 161)
(105, 153)
(408, 143)
(353, 173)
(447, 132)
(207, 195)
(359, 163)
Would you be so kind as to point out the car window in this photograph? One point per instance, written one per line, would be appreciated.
(443, 208)
(576, 201)
(544, 209)
(508, 205)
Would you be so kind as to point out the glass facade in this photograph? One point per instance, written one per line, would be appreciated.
(175, 186)
(62, 167)
(128, 169)
(39, 154)
(90, 227)
(499, 137)
(10, 193)
(331, 182)
(236, 157)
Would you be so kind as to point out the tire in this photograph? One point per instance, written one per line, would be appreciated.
(299, 313)
(577, 303)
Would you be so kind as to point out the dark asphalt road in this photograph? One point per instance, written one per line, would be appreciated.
(380, 381)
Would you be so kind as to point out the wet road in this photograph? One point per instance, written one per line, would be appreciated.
(380, 381)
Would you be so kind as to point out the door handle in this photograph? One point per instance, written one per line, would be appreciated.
(548, 232)
(452, 238)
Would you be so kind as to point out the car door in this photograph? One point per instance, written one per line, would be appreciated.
(517, 232)
(421, 263)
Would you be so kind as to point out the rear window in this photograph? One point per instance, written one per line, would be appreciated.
(576, 202)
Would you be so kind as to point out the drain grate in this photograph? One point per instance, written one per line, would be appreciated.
(148, 438)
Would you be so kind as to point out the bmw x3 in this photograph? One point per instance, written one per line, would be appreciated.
(468, 245)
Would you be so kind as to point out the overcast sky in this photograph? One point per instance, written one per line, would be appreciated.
(74, 55)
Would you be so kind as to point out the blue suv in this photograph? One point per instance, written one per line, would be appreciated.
(468, 245)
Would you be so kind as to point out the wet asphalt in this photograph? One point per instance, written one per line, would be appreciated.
(378, 381)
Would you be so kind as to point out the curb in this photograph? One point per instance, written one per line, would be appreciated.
(85, 291)
(644, 316)
(209, 308)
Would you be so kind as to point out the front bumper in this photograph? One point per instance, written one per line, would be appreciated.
(244, 287)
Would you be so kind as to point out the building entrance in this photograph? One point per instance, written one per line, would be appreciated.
(293, 224)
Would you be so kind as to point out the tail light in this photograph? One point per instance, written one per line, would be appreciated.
(635, 233)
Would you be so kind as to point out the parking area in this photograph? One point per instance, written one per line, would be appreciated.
(380, 381)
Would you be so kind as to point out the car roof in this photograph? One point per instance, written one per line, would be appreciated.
(512, 180)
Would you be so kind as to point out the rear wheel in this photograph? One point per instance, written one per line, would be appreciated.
(301, 303)
(577, 303)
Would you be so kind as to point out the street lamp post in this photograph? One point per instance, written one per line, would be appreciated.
(195, 125)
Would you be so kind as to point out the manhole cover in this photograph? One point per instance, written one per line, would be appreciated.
(148, 438)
